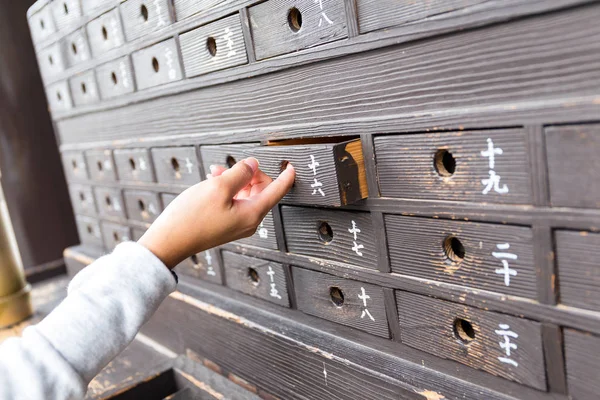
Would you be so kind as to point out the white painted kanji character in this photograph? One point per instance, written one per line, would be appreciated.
(152, 208)
(364, 296)
(357, 247)
(142, 163)
(507, 345)
(491, 152)
(161, 20)
(313, 164)
(189, 165)
(323, 15)
(505, 270)
(493, 182)
(354, 230)
(317, 187)
(263, 233)
(274, 292)
(208, 257)
(228, 37)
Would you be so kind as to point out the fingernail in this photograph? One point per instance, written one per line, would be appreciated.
(252, 163)
(212, 169)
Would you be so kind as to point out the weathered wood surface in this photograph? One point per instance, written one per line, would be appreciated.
(110, 202)
(142, 17)
(205, 266)
(101, 165)
(134, 165)
(65, 13)
(105, 32)
(90, 7)
(113, 234)
(84, 89)
(115, 78)
(74, 165)
(176, 165)
(89, 231)
(59, 96)
(582, 352)
(142, 206)
(51, 61)
(77, 47)
(187, 8)
(157, 65)
(83, 200)
(41, 24)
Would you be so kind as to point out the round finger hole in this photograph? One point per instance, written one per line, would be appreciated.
(66, 8)
(99, 165)
(463, 330)
(81, 196)
(58, 96)
(108, 201)
(283, 165)
(132, 164)
(90, 229)
(211, 46)
(253, 276)
(336, 295)
(144, 12)
(116, 237)
(74, 48)
(454, 249)
(104, 33)
(175, 164)
(51, 60)
(42, 24)
(325, 232)
(83, 88)
(444, 163)
(141, 205)
(155, 65)
(74, 164)
(230, 161)
(295, 19)
(194, 259)
(113, 76)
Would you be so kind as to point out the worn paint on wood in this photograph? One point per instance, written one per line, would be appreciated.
(84, 89)
(205, 266)
(105, 32)
(59, 97)
(142, 17)
(115, 78)
(77, 47)
(41, 24)
(176, 165)
(157, 65)
(101, 165)
(582, 352)
(134, 165)
(142, 206)
(65, 13)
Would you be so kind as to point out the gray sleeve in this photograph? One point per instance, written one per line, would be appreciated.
(106, 305)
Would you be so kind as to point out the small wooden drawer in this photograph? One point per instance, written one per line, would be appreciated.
(327, 174)
(82, 199)
(88, 7)
(137, 233)
(101, 165)
(502, 345)
(41, 24)
(89, 231)
(113, 234)
(134, 165)
(140, 17)
(284, 26)
(51, 61)
(577, 255)
(256, 277)
(77, 47)
(582, 357)
(212, 47)
(341, 236)
(498, 258)
(142, 206)
(167, 198)
(483, 166)
(176, 165)
(205, 266)
(110, 202)
(59, 96)
(65, 12)
(573, 165)
(347, 302)
(74, 165)
(84, 89)
(264, 236)
(115, 78)
(226, 155)
(105, 32)
(157, 65)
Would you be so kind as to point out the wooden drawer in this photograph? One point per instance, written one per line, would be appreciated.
(573, 164)
(134, 165)
(113, 234)
(157, 65)
(142, 206)
(264, 236)
(327, 174)
(74, 165)
(578, 255)
(110, 202)
(140, 17)
(89, 6)
(82, 199)
(77, 48)
(59, 96)
(498, 258)
(115, 78)
(205, 266)
(51, 61)
(84, 89)
(341, 236)
(483, 166)
(340, 300)
(212, 47)
(176, 165)
(502, 345)
(284, 26)
(187, 8)
(226, 155)
(259, 278)
(105, 32)
(582, 354)
(65, 12)
(41, 24)
(89, 231)
(101, 165)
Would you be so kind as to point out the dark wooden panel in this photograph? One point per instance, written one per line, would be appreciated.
(502, 345)
(41, 24)
(176, 165)
(578, 255)
(582, 352)
(110, 202)
(105, 32)
(113, 234)
(84, 89)
(265, 236)
(59, 97)
(142, 17)
(205, 266)
(187, 8)
(74, 165)
(498, 258)
(340, 300)
(101, 165)
(490, 166)
(77, 48)
(89, 231)
(259, 278)
(157, 65)
(52, 61)
(212, 47)
(348, 237)
(284, 26)
(115, 78)
(134, 165)
(82, 199)
(573, 165)
(65, 13)
(142, 206)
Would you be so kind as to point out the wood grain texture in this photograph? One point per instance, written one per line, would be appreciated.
(573, 163)
(105, 32)
(305, 233)
(138, 23)
(83, 200)
(255, 277)
(274, 34)
(429, 325)
(176, 165)
(89, 231)
(360, 305)
(84, 89)
(187, 8)
(113, 234)
(157, 65)
(577, 255)
(413, 166)
(65, 13)
(420, 247)
(77, 48)
(101, 165)
(225, 155)
(556, 376)
(74, 165)
(137, 233)
(582, 352)
(134, 165)
(52, 61)
(205, 266)
(227, 48)
(59, 96)
(41, 24)
(115, 78)
(142, 206)
(110, 202)
(90, 7)
(265, 235)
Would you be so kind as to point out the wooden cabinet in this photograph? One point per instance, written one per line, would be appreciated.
(157, 64)
(176, 165)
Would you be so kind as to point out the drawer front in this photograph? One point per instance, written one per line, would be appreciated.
(582, 354)
(157, 65)
(167, 198)
(573, 162)
(137, 233)
(212, 47)
(82, 199)
(140, 17)
(177, 165)
(113, 234)
(59, 97)
(41, 24)
(110, 202)
(284, 26)
(498, 258)
(65, 12)
(340, 300)
(101, 165)
(264, 236)
(326, 174)
(89, 6)
(89, 231)
(75, 165)
(134, 165)
(577, 255)
(483, 166)
(77, 47)
(187, 8)
(115, 78)
(205, 266)
(259, 278)
(105, 32)
(51, 61)
(226, 155)
(142, 206)
(341, 236)
(502, 345)
(84, 89)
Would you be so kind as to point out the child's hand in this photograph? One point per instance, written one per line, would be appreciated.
(228, 206)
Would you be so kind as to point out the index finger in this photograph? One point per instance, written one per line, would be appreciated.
(274, 192)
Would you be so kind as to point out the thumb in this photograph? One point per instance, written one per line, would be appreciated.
(239, 176)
